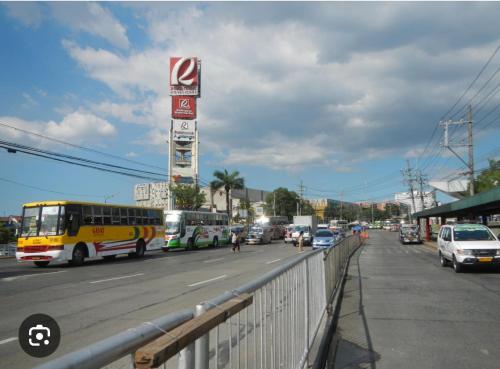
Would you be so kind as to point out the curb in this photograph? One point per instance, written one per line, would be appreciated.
(330, 338)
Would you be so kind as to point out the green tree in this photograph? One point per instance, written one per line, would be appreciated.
(228, 182)
(187, 197)
(489, 178)
(286, 202)
(246, 205)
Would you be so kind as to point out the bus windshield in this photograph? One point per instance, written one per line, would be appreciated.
(47, 225)
(172, 227)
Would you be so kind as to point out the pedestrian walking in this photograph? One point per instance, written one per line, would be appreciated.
(236, 242)
(300, 239)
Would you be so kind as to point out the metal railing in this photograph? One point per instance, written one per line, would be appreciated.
(276, 331)
(8, 249)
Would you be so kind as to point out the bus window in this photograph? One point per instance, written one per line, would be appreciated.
(87, 215)
(97, 215)
(131, 216)
(73, 219)
(106, 215)
(138, 217)
(115, 216)
(123, 216)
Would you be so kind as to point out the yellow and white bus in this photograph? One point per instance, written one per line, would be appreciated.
(74, 231)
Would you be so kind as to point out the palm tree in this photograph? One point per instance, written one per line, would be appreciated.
(229, 182)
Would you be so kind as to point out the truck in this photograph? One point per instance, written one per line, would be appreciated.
(306, 223)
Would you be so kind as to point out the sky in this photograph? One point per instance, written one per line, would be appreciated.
(337, 95)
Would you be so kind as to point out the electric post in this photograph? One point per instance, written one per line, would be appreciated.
(469, 144)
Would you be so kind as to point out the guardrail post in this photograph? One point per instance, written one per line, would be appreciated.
(306, 315)
(202, 344)
(186, 357)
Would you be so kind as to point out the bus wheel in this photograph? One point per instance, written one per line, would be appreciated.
(42, 263)
(78, 256)
(215, 242)
(140, 249)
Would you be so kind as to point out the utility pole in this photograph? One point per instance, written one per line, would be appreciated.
(341, 203)
(301, 194)
(421, 179)
(471, 151)
(372, 211)
(409, 179)
(469, 144)
(274, 203)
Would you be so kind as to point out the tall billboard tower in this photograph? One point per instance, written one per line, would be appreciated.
(183, 141)
(185, 77)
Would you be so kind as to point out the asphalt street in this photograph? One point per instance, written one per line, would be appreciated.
(102, 298)
(401, 309)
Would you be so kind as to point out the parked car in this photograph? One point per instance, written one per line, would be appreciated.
(409, 233)
(241, 231)
(259, 235)
(323, 238)
(467, 244)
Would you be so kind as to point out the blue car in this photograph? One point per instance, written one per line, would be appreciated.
(323, 239)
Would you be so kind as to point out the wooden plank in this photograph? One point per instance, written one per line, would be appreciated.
(164, 347)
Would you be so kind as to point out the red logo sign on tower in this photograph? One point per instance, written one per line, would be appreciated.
(183, 107)
(184, 76)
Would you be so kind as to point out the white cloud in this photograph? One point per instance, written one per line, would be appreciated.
(77, 127)
(91, 18)
(371, 88)
(28, 13)
(131, 154)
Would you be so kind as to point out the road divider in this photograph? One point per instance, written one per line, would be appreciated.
(273, 261)
(117, 278)
(25, 276)
(207, 281)
(7, 340)
(213, 260)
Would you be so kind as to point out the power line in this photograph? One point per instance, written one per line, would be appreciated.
(81, 164)
(79, 146)
(16, 145)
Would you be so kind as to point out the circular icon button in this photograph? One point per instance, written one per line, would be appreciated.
(39, 335)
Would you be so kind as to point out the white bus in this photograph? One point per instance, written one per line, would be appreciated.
(194, 229)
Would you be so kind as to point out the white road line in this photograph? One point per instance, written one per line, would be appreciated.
(208, 280)
(417, 251)
(116, 278)
(9, 279)
(213, 260)
(7, 340)
(273, 261)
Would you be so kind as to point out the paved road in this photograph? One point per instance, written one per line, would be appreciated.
(102, 298)
(401, 309)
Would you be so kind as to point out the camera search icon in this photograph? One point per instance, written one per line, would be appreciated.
(39, 335)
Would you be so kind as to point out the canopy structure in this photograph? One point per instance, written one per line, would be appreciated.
(483, 204)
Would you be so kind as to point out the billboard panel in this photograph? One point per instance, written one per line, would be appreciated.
(184, 76)
(183, 130)
(183, 107)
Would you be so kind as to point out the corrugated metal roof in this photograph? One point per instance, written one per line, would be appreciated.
(484, 203)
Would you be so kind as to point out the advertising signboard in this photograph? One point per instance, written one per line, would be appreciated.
(184, 76)
(183, 107)
(183, 130)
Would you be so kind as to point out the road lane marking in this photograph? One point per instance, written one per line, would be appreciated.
(213, 260)
(208, 280)
(273, 261)
(116, 278)
(9, 279)
(7, 340)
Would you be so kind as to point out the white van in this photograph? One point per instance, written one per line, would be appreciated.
(467, 244)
